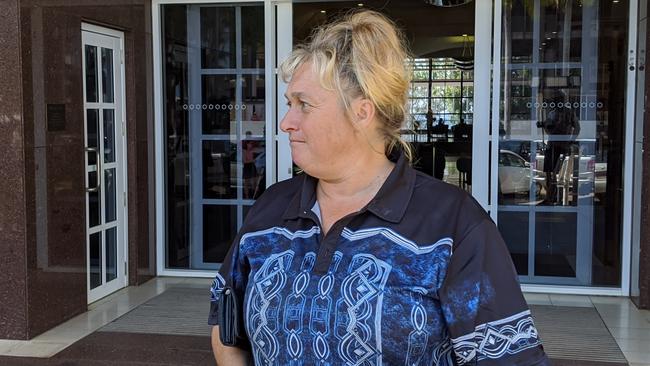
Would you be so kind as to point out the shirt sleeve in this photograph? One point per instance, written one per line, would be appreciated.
(487, 317)
(231, 275)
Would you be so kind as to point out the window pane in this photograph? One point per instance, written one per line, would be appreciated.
(92, 132)
(91, 74)
(555, 244)
(219, 161)
(219, 228)
(514, 229)
(110, 195)
(218, 48)
(94, 202)
(111, 254)
(95, 256)
(107, 76)
(109, 135)
(218, 116)
(252, 36)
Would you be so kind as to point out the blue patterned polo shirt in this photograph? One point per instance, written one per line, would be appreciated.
(419, 276)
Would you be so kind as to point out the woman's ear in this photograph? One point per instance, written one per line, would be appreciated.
(363, 112)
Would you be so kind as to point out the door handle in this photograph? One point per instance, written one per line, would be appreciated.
(99, 168)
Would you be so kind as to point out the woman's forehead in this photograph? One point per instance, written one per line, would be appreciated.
(304, 80)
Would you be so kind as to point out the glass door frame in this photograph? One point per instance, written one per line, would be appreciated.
(491, 138)
(111, 39)
(271, 111)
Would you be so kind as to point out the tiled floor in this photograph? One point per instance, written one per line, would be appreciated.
(628, 325)
(99, 314)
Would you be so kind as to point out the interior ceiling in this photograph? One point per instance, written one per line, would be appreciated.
(431, 31)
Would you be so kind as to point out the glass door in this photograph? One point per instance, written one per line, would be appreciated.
(561, 126)
(215, 110)
(105, 160)
(226, 117)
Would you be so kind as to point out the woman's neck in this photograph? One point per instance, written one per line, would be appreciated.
(360, 181)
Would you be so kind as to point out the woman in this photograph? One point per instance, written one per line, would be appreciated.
(351, 262)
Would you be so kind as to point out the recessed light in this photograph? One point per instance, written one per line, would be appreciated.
(548, 38)
(615, 1)
(543, 43)
(464, 35)
(554, 32)
(323, 11)
(360, 4)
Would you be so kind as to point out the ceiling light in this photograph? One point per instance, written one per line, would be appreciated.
(464, 35)
(323, 11)
(548, 38)
(360, 4)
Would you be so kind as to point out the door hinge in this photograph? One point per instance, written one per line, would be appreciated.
(122, 57)
(124, 196)
(123, 128)
(125, 268)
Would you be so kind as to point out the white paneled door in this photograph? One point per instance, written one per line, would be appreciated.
(105, 158)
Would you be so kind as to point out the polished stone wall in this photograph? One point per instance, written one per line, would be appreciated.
(13, 269)
(43, 215)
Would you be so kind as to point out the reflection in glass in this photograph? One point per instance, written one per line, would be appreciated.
(111, 254)
(561, 135)
(95, 257)
(219, 160)
(219, 98)
(94, 202)
(109, 135)
(514, 229)
(177, 152)
(107, 76)
(555, 244)
(219, 228)
(215, 126)
(110, 197)
(218, 48)
(92, 134)
(252, 37)
(91, 74)
(253, 144)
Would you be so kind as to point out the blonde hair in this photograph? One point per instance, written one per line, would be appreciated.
(361, 54)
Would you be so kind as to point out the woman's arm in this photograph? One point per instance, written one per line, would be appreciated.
(225, 355)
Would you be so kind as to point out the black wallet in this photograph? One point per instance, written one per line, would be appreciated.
(229, 317)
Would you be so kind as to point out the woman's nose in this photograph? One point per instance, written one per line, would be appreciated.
(288, 122)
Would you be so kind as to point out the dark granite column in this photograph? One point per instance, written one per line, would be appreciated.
(43, 265)
(13, 269)
(644, 256)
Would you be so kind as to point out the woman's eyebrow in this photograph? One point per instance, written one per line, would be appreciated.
(296, 95)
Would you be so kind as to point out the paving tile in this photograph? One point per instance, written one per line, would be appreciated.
(537, 299)
(571, 300)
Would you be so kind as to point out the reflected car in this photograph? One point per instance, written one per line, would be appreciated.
(515, 175)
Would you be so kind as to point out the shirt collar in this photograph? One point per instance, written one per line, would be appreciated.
(390, 203)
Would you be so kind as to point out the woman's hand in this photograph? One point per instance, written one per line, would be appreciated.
(225, 355)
